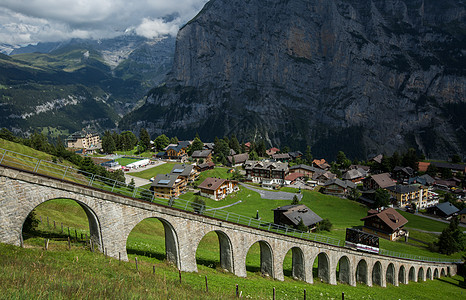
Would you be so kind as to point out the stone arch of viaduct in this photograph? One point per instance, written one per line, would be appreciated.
(112, 217)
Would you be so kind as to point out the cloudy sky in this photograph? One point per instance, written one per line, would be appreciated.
(30, 21)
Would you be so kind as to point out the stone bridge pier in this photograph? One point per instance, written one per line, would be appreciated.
(112, 218)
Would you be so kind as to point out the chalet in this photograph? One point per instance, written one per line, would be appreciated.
(425, 179)
(323, 176)
(238, 159)
(306, 170)
(402, 174)
(292, 214)
(357, 167)
(295, 155)
(407, 194)
(445, 210)
(217, 188)
(378, 181)
(266, 171)
(354, 175)
(205, 166)
(455, 168)
(321, 164)
(247, 146)
(337, 187)
(462, 215)
(283, 157)
(293, 177)
(272, 151)
(209, 146)
(187, 172)
(204, 155)
(175, 152)
(387, 223)
(168, 185)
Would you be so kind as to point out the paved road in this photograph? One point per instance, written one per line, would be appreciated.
(217, 208)
(137, 180)
(272, 195)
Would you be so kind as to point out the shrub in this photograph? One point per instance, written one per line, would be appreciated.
(198, 205)
(324, 225)
(31, 223)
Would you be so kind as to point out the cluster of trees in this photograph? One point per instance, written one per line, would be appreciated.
(125, 141)
(409, 158)
(452, 239)
(40, 142)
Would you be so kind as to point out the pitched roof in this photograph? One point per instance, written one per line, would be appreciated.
(447, 208)
(206, 165)
(407, 170)
(281, 156)
(272, 151)
(165, 180)
(239, 158)
(293, 176)
(422, 166)
(377, 158)
(295, 213)
(389, 216)
(352, 174)
(443, 165)
(182, 170)
(462, 212)
(212, 183)
(403, 189)
(295, 154)
(383, 180)
(339, 182)
(201, 153)
(304, 167)
(254, 164)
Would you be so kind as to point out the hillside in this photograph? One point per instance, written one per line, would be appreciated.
(81, 83)
(352, 75)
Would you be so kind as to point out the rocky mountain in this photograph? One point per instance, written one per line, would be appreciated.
(362, 76)
(67, 86)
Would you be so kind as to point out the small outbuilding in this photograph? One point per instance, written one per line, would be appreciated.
(293, 214)
(444, 210)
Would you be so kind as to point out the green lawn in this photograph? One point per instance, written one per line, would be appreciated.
(219, 172)
(161, 169)
(419, 222)
(123, 161)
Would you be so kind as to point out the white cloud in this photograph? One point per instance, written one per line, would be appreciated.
(32, 21)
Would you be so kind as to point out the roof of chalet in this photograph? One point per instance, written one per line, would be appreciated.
(295, 154)
(296, 213)
(447, 208)
(165, 180)
(377, 158)
(294, 176)
(422, 166)
(407, 170)
(206, 165)
(201, 153)
(209, 146)
(339, 182)
(403, 189)
(389, 216)
(383, 180)
(281, 156)
(255, 164)
(304, 167)
(272, 151)
(212, 183)
(182, 170)
(462, 212)
(239, 158)
(444, 165)
(425, 179)
(352, 174)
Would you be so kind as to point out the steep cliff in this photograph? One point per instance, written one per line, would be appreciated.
(363, 76)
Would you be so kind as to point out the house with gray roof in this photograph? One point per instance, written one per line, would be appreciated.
(337, 187)
(205, 155)
(445, 210)
(292, 214)
(188, 172)
(238, 159)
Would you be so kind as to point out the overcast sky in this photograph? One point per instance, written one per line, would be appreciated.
(30, 21)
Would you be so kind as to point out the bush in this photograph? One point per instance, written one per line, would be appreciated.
(324, 225)
(171, 201)
(198, 205)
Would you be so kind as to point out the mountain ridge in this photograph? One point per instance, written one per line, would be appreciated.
(363, 77)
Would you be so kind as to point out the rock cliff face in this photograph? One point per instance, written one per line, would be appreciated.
(362, 76)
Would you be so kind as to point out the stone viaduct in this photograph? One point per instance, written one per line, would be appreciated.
(112, 217)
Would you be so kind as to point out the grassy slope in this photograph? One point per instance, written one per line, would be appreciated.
(96, 276)
(149, 173)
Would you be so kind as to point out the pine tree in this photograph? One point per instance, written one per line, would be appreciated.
(295, 200)
(108, 143)
(308, 155)
(144, 139)
(301, 226)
